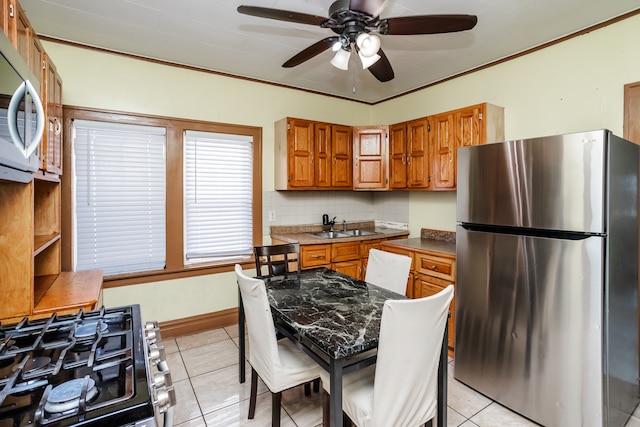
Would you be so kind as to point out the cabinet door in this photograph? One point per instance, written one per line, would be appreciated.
(444, 144)
(425, 286)
(418, 168)
(23, 33)
(370, 157)
(350, 268)
(341, 149)
(398, 156)
(4, 12)
(469, 126)
(322, 140)
(51, 153)
(300, 149)
(36, 58)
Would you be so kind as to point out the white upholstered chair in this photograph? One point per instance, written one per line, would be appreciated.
(388, 270)
(400, 390)
(279, 363)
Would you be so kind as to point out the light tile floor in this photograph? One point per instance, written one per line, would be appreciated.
(204, 369)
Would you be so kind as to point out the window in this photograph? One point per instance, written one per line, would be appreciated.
(119, 197)
(218, 192)
(198, 204)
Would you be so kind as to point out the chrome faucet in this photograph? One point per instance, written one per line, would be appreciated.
(331, 223)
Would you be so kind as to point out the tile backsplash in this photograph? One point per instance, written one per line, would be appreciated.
(307, 207)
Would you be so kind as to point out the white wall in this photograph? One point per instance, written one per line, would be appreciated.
(574, 86)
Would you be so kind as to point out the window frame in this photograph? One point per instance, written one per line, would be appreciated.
(175, 266)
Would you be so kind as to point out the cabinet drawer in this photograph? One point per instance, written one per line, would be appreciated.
(345, 251)
(443, 268)
(315, 255)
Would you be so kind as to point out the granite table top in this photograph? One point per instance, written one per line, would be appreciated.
(337, 313)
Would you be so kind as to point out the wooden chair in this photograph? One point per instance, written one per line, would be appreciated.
(400, 390)
(277, 259)
(279, 363)
(388, 270)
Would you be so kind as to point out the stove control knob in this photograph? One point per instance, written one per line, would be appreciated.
(162, 379)
(152, 332)
(166, 398)
(156, 354)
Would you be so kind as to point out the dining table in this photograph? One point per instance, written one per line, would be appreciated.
(335, 319)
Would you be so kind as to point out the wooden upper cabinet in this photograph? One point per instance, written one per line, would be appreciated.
(323, 161)
(23, 32)
(342, 152)
(398, 156)
(36, 60)
(418, 160)
(301, 149)
(443, 149)
(312, 155)
(51, 152)
(4, 16)
(370, 158)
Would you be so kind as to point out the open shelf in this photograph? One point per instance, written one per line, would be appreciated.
(42, 242)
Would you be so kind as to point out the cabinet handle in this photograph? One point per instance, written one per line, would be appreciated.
(316, 256)
(57, 128)
(10, 11)
(433, 267)
(408, 159)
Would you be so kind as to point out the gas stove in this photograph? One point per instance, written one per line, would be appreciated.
(92, 368)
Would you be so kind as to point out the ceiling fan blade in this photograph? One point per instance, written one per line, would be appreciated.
(372, 7)
(311, 51)
(427, 24)
(381, 69)
(282, 15)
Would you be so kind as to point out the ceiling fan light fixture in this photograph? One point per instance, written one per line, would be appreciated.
(341, 59)
(368, 44)
(368, 61)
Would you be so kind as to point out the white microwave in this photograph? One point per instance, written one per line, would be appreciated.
(22, 118)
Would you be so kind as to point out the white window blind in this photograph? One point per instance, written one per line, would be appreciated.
(119, 197)
(218, 182)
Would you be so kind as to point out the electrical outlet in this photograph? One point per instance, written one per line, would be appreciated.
(272, 216)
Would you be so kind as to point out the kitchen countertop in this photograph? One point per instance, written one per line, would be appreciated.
(302, 234)
(436, 246)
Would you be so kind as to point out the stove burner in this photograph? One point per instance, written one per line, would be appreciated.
(36, 363)
(66, 396)
(88, 329)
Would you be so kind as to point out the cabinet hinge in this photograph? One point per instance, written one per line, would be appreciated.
(428, 128)
(288, 126)
(480, 116)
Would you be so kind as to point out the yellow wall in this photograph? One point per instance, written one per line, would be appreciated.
(574, 86)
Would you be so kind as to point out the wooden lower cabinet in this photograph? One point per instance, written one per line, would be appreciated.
(315, 256)
(350, 268)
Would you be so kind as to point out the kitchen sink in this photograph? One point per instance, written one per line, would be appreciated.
(330, 234)
(347, 233)
(358, 232)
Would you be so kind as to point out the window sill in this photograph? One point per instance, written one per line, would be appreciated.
(188, 271)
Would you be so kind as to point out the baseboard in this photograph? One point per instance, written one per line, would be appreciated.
(200, 323)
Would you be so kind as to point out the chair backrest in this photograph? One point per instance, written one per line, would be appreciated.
(411, 333)
(278, 259)
(388, 270)
(263, 346)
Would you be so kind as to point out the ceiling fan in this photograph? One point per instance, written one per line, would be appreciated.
(353, 21)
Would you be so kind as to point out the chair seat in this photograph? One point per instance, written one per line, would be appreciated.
(357, 394)
(297, 367)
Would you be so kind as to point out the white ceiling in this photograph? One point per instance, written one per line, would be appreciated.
(212, 35)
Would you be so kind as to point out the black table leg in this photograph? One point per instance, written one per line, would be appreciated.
(241, 351)
(442, 379)
(335, 392)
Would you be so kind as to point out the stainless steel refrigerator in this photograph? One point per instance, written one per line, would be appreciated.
(547, 277)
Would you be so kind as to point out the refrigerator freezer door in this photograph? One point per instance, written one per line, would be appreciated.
(529, 324)
(551, 183)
